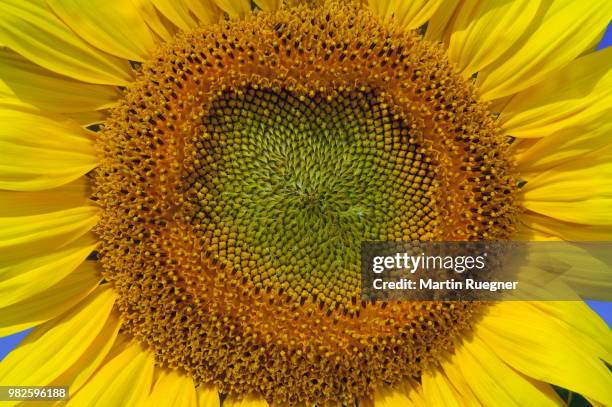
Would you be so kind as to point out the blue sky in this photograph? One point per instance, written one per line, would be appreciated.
(604, 309)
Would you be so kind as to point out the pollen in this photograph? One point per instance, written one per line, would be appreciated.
(244, 168)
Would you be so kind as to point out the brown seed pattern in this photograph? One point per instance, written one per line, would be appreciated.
(243, 169)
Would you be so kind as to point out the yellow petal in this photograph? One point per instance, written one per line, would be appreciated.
(31, 29)
(402, 395)
(584, 267)
(55, 346)
(483, 30)
(20, 280)
(450, 372)
(157, 22)
(23, 203)
(89, 118)
(92, 358)
(540, 347)
(206, 10)
(8, 97)
(567, 144)
(526, 232)
(578, 317)
(123, 381)
(245, 401)
(235, 8)
(269, 5)
(408, 13)
(577, 95)
(589, 212)
(173, 390)
(572, 181)
(39, 152)
(593, 284)
(26, 236)
(566, 29)
(176, 11)
(52, 302)
(121, 343)
(546, 226)
(563, 194)
(14, 124)
(49, 91)
(495, 383)
(595, 44)
(438, 390)
(438, 25)
(208, 396)
(114, 26)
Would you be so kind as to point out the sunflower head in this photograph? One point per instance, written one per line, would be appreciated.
(238, 155)
(245, 167)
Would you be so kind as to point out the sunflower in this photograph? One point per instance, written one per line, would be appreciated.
(185, 186)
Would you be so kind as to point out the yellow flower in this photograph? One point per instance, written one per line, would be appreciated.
(184, 186)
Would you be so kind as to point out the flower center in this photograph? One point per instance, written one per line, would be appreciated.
(284, 186)
(243, 170)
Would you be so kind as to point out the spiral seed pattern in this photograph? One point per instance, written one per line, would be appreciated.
(240, 174)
